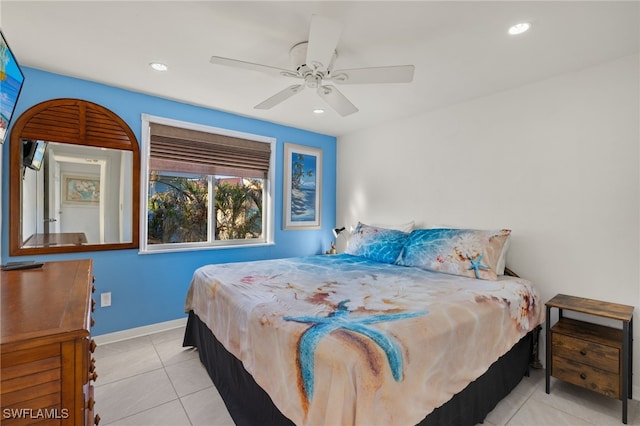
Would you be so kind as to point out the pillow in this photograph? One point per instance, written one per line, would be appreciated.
(466, 252)
(375, 243)
(404, 227)
(502, 260)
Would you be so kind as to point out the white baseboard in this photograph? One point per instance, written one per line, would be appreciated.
(140, 331)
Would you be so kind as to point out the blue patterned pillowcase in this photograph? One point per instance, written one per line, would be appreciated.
(375, 243)
(467, 252)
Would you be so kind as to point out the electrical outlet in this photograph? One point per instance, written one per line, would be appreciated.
(105, 299)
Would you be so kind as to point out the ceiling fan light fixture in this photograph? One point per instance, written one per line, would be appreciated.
(519, 28)
(158, 66)
(318, 111)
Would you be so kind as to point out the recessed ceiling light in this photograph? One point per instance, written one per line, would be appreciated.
(318, 111)
(158, 66)
(519, 28)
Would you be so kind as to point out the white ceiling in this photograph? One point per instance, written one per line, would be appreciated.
(461, 50)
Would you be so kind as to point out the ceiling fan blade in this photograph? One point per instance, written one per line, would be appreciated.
(281, 96)
(336, 100)
(323, 39)
(218, 60)
(393, 74)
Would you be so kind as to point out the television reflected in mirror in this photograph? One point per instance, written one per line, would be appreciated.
(33, 153)
(11, 82)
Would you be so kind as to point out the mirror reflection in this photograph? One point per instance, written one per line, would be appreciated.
(75, 195)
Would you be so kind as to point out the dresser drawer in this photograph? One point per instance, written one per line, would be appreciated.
(588, 377)
(594, 354)
(30, 379)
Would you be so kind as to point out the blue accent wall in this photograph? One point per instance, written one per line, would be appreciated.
(151, 288)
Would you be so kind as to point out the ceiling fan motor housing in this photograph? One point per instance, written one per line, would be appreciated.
(298, 55)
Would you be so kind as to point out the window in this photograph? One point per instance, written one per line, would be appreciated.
(204, 187)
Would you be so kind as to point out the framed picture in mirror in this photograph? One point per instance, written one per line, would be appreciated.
(84, 190)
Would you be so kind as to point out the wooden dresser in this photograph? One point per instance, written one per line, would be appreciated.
(46, 367)
(591, 355)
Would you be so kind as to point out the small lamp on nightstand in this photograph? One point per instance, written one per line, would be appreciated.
(338, 231)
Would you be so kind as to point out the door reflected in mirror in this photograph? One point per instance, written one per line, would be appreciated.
(79, 195)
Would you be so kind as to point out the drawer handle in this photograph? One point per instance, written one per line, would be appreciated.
(92, 366)
(96, 420)
(92, 345)
(93, 305)
(583, 376)
(93, 376)
(90, 403)
(583, 352)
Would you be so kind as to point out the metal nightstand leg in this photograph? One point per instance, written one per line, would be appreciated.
(626, 351)
(631, 358)
(547, 344)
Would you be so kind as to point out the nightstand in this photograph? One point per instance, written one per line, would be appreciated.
(590, 355)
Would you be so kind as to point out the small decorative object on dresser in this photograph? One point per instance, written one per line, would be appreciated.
(590, 355)
(47, 369)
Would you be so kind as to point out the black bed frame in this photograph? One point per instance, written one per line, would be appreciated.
(249, 404)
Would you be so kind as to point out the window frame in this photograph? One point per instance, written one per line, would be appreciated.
(268, 202)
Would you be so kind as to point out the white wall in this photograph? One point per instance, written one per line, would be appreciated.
(556, 161)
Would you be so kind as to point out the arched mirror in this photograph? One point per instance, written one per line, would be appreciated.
(74, 171)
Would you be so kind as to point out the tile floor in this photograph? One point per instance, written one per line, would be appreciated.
(152, 380)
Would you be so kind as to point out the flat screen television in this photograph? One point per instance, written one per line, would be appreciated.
(11, 81)
(33, 153)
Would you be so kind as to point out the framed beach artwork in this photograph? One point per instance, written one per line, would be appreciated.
(302, 187)
(81, 190)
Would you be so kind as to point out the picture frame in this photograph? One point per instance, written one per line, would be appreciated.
(81, 190)
(302, 187)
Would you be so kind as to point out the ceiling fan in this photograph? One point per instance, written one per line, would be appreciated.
(314, 60)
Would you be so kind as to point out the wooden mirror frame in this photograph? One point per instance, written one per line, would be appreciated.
(69, 121)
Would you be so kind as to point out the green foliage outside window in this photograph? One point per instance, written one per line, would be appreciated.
(178, 209)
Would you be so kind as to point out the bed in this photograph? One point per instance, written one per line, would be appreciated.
(377, 335)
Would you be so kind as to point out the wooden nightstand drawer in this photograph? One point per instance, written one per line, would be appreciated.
(586, 376)
(594, 354)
